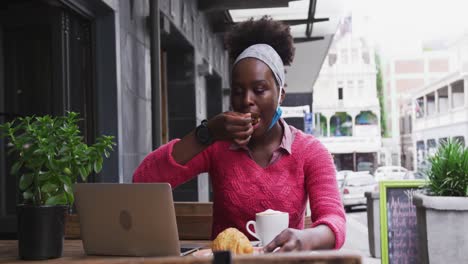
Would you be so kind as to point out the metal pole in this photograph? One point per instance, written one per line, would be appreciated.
(155, 50)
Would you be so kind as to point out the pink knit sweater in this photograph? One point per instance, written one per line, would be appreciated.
(242, 188)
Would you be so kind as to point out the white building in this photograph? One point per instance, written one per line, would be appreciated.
(346, 106)
(402, 76)
(441, 108)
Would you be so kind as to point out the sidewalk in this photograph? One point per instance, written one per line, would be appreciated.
(357, 240)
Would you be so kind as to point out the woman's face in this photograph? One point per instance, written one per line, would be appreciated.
(254, 90)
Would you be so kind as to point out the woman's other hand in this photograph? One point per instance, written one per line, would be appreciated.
(232, 126)
(320, 237)
(288, 240)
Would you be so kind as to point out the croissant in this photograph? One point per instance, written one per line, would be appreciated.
(233, 240)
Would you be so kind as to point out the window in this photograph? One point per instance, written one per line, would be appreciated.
(419, 107)
(431, 147)
(443, 100)
(420, 154)
(442, 140)
(458, 94)
(366, 57)
(430, 103)
(366, 118)
(460, 139)
(321, 126)
(341, 125)
(340, 93)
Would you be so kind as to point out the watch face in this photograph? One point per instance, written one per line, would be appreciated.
(203, 135)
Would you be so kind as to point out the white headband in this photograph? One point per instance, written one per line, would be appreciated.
(269, 56)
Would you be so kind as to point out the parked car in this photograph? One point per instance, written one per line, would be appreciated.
(354, 187)
(415, 175)
(365, 166)
(390, 173)
(340, 176)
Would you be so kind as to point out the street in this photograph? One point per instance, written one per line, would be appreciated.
(357, 240)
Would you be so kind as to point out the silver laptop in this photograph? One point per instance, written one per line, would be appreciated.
(127, 219)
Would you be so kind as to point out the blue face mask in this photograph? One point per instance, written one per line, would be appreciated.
(276, 117)
(278, 112)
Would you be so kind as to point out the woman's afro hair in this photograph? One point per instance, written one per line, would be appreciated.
(262, 31)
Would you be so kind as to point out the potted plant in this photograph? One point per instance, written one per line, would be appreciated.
(442, 210)
(50, 156)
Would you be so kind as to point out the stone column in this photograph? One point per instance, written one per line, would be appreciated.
(328, 116)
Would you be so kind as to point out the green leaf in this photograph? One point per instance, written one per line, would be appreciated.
(65, 180)
(83, 173)
(38, 151)
(67, 171)
(69, 193)
(43, 176)
(16, 167)
(27, 195)
(57, 199)
(26, 181)
(97, 166)
(49, 188)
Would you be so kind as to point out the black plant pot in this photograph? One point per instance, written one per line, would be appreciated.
(40, 231)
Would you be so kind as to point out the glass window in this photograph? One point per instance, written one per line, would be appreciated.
(420, 154)
(431, 147)
(341, 125)
(321, 127)
(430, 103)
(460, 139)
(419, 107)
(366, 118)
(458, 95)
(442, 140)
(443, 100)
(366, 57)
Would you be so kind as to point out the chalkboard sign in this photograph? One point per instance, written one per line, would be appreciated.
(398, 225)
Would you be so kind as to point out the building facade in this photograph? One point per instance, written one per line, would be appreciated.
(401, 77)
(440, 113)
(440, 109)
(346, 106)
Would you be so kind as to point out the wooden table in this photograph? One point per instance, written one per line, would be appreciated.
(74, 253)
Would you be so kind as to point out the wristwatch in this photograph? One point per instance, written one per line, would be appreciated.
(203, 133)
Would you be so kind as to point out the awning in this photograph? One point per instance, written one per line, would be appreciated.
(309, 19)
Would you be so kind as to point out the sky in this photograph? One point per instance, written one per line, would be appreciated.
(401, 26)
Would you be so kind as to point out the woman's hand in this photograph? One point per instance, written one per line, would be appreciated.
(288, 240)
(233, 126)
(320, 237)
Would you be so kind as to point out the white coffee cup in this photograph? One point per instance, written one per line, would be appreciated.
(268, 225)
